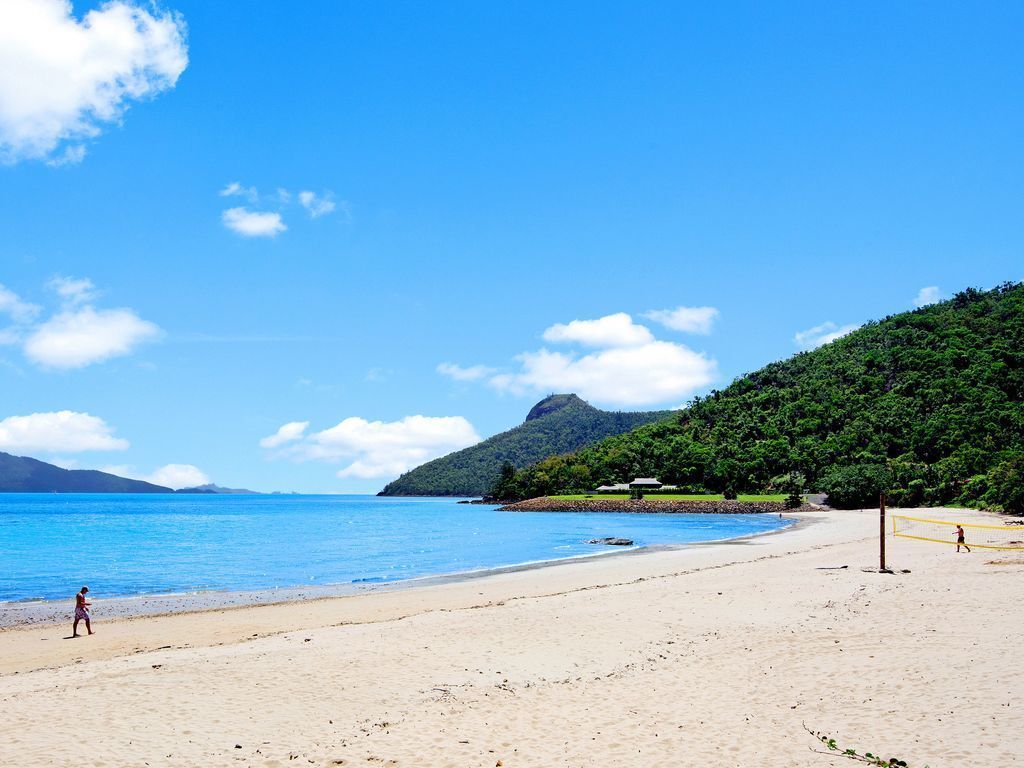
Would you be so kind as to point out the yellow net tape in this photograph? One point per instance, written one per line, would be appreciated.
(944, 532)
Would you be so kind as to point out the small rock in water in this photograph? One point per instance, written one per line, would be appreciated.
(613, 541)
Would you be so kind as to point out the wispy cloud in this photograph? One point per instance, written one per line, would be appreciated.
(19, 311)
(316, 205)
(73, 290)
(293, 430)
(62, 81)
(459, 373)
(927, 295)
(685, 319)
(374, 449)
(235, 189)
(269, 222)
(822, 334)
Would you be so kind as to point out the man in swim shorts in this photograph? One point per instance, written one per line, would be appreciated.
(82, 612)
(960, 538)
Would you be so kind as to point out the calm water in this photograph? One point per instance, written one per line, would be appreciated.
(127, 544)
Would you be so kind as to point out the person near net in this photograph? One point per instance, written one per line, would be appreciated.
(960, 539)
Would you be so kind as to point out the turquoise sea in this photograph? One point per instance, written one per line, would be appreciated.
(128, 544)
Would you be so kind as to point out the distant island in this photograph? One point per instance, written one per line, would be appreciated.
(214, 488)
(22, 474)
(557, 424)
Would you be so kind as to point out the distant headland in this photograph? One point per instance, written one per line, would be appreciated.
(22, 474)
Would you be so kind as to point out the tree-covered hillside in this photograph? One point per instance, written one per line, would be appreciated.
(557, 424)
(20, 474)
(926, 405)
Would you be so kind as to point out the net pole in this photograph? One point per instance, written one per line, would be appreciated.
(881, 532)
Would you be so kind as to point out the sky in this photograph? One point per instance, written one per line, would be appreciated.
(307, 246)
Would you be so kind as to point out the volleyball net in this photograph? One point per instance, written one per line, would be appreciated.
(944, 532)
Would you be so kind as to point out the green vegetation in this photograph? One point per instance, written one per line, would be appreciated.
(794, 484)
(557, 424)
(867, 758)
(672, 496)
(926, 405)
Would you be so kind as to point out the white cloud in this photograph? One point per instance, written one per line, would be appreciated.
(235, 189)
(927, 295)
(177, 476)
(73, 290)
(253, 223)
(78, 334)
(685, 319)
(379, 449)
(14, 307)
(270, 223)
(63, 79)
(72, 154)
(173, 476)
(647, 374)
(58, 432)
(293, 430)
(81, 336)
(459, 373)
(316, 205)
(616, 330)
(822, 334)
(630, 367)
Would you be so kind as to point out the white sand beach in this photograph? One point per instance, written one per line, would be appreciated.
(707, 655)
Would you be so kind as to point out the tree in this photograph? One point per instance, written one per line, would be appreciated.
(855, 486)
(1006, 486)
(505, 488)
(795, 497)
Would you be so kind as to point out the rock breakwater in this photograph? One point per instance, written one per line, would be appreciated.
(649, 506)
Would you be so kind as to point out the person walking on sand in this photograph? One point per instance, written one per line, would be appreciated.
(960, 538)
(82, 612)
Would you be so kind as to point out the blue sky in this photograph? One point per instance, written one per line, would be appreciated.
(497, 172)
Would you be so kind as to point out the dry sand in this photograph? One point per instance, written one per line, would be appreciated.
(709, 655)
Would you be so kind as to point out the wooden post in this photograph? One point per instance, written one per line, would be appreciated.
(881, 532)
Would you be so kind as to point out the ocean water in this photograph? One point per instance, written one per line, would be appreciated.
(128, 544)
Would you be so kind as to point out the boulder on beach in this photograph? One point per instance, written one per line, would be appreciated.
(611, 540)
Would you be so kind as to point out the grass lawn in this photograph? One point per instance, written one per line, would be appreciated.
(673, 496)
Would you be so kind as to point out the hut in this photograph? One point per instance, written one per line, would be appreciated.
(645, 484)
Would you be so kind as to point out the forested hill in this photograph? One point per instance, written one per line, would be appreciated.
(20, 474)
(926, 405)
(557, 424)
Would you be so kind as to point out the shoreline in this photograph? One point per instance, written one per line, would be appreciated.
(652, 505)
(22, 614)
